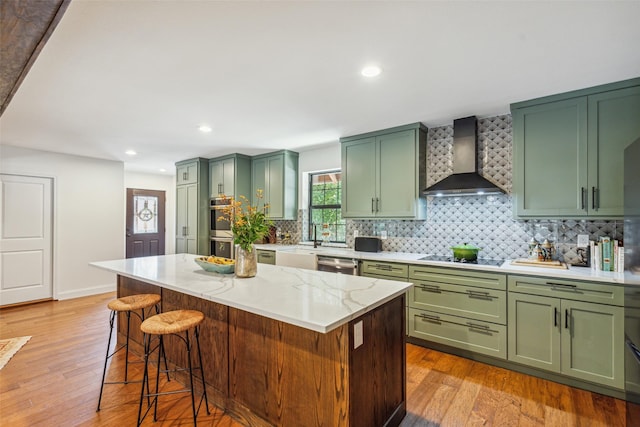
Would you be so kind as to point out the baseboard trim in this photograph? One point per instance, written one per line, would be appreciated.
(84, 292)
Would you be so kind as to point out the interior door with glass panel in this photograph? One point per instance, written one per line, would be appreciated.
(145, 223)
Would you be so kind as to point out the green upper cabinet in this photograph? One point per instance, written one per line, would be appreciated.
(568, 151)
(230, 176)
(614, 123)
(383, 173)
(192, 207)
(276, 174)
(187, 172)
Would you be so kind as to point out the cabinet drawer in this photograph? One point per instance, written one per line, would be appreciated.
(474, 278)
(390, 269)
(266, 257)
(478, 303)
(473, 335)
(601, 293)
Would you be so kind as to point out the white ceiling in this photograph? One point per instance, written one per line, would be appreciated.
(143, 75)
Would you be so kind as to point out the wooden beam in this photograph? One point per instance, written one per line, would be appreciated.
(25, 27)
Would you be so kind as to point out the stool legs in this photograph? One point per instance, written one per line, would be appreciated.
(106, 358)
(162, 355)
(112, 318)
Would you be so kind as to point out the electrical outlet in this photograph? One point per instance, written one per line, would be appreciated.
(583, 240)
(358, 336)
(383, 234)
(355, 233)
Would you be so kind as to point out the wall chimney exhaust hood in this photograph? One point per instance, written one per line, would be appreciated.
(465, 180)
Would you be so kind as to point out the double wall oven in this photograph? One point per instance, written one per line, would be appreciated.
(220, 229)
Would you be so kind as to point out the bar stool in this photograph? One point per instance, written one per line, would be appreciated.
(171, 323)
(129, 304)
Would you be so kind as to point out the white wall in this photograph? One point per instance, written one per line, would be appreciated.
(166, 183)
(88, 215)
(320, 159)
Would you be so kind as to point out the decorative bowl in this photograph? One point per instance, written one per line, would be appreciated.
(215, 268)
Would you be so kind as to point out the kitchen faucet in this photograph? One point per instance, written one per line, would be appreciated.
(315, 236)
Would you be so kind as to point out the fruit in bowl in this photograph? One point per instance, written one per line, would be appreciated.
(216, 264)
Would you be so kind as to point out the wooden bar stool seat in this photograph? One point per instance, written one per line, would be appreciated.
(177, 323)
(136, 304)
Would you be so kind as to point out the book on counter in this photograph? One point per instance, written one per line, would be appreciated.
(607, 254)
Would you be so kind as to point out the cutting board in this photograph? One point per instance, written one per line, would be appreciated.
(535, 263)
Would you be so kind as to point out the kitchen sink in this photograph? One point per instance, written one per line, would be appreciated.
(298, 258)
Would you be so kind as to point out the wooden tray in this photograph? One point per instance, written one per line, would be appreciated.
(535, 263)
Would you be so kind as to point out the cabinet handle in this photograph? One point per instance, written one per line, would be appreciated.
(476, 326)
(373, 205)
(430, 288)
(219, 188)
(555, 316)
(432, 318)
(185, 176)
(595, 198)
(384, 267)
(479, 294)
(377, 205)
(583, 197)
(566, 318)
(563, 287)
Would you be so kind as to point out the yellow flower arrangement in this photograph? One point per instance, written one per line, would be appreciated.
(248, 223)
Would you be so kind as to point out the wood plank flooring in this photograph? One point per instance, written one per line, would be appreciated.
(55, 380)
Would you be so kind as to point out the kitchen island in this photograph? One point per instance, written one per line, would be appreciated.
(289, 347)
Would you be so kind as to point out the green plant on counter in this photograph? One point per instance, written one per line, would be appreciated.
(248, 223)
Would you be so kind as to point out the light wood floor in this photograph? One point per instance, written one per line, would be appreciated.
(55, 380)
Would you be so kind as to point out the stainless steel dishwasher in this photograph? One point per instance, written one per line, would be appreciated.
(338, 265)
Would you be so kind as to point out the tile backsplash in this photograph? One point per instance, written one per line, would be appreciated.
(484, 221)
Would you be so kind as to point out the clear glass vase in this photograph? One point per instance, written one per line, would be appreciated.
(246, 262)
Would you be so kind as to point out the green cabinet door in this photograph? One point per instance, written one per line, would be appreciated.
(276, 174)
(221, 177)
(359, 178)
(187, 173)
(550, 159)
(258, 181)
(187, 219)
(593, 342)
(192, 206)
(614, 123)
(274, 190)
(397, 192)
(534, 331)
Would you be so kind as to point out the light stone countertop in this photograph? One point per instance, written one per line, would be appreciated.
(314, 300)
(575, 273)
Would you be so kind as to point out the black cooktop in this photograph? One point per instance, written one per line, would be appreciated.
(479, 261)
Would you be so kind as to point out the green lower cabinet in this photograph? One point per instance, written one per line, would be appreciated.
(579, 339)
(388, 271)
(266, 256)
(473, 335)
(593, 342)
(534, 334)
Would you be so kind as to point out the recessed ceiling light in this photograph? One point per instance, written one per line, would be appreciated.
(130, 153)
(371, 71)
(163, 170)
(205, 128)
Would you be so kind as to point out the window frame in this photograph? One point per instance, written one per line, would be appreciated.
(311, 207)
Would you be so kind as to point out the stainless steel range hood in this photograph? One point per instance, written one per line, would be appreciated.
(465, 180)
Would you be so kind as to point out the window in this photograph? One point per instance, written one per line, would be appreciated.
(325, 194)
(145, 218)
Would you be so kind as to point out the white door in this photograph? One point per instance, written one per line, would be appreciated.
(25, 238)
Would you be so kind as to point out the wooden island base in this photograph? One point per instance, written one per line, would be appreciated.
(265, 372)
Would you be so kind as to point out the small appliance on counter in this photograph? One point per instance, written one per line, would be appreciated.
(368, 244)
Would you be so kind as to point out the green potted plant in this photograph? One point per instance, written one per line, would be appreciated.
(248, 224)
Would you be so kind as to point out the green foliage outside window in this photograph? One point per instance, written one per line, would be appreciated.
(324, 207)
